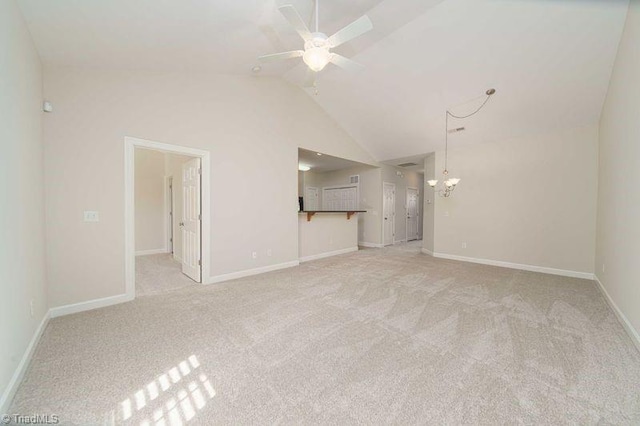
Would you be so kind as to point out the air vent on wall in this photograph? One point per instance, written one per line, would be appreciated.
(354, 179)
(407, 165)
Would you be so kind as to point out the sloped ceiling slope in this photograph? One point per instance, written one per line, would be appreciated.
(550, 60)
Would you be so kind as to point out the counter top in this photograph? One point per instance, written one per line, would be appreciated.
(349, 213)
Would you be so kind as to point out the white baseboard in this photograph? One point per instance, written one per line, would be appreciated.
(626, 324)
(532, 268)
(328, 254)
(250, 272)
(89, 305)
(370, 245)
(400, 241)
(152, 251)
(426, 251)
(18, 375)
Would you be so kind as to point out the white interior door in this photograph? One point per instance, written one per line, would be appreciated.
(191, 261)
(388, 212)
(169, 214)
(412, 214)
(311, 199)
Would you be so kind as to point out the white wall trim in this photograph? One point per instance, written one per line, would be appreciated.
(328, 254)
(532, 268)
(89, 305)
(426, 251)
(370, 245)
(130, 144)
(152, 251)
(400, 241)
(626, 324)
(18, 374)
(250, 272)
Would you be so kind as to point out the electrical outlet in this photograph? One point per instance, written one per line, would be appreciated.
(31, 308)
(464, 245)
(269, 252)
(91, 216)
(254, 254)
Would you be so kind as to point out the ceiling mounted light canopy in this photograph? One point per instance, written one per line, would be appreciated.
(317, 46)
(303, 167)
(449, 184)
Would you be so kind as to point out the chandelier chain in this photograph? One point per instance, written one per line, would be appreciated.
(446, 133)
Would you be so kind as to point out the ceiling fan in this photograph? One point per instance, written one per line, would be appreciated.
(317, 46)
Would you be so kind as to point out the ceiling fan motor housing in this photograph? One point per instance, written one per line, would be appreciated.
(317, 40)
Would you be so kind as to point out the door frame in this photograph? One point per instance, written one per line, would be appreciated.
(130, 144)
(393, 219)
(406, 207)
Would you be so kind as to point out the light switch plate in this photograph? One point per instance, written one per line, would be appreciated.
(91, 216)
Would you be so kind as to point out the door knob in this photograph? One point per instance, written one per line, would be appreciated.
(181, 224)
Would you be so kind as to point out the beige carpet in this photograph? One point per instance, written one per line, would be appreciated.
(159, 273)
(373, 337)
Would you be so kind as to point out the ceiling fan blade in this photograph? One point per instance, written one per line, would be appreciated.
(310, 78)
(282, 55)
(345, 63)
(292, 15)
(351, 31)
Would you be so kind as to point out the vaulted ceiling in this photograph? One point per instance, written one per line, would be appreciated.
(550, 60)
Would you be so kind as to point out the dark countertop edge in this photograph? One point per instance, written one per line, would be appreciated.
(332, 211)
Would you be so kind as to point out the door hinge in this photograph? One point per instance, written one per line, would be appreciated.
(199, 262)
(170, 240)
(199, 171)
(199, 217)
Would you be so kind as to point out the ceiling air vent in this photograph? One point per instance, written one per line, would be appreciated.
(407, 165)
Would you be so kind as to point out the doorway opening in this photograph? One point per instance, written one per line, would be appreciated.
(167, 211)
(413, 214)
(388, 213)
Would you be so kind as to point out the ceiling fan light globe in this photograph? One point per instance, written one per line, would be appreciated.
(454, 181)
(316, 58)
(432, 183)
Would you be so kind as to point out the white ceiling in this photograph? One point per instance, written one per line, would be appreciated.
(325, 163)
(550, 60)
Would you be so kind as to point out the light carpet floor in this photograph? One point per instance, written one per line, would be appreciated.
(379, 336)
(159, 273)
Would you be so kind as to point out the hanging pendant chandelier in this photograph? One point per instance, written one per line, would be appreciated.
(448, 183)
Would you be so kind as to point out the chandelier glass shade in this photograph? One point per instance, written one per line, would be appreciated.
(316, 58)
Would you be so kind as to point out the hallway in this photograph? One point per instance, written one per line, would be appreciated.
(159, 273)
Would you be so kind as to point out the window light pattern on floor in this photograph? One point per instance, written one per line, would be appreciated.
(172, 399)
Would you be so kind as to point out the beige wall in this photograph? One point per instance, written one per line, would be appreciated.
(252, 127)
(22, 257)
(618, 229)
(326, 233)
(528, 200)
(149, 200)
